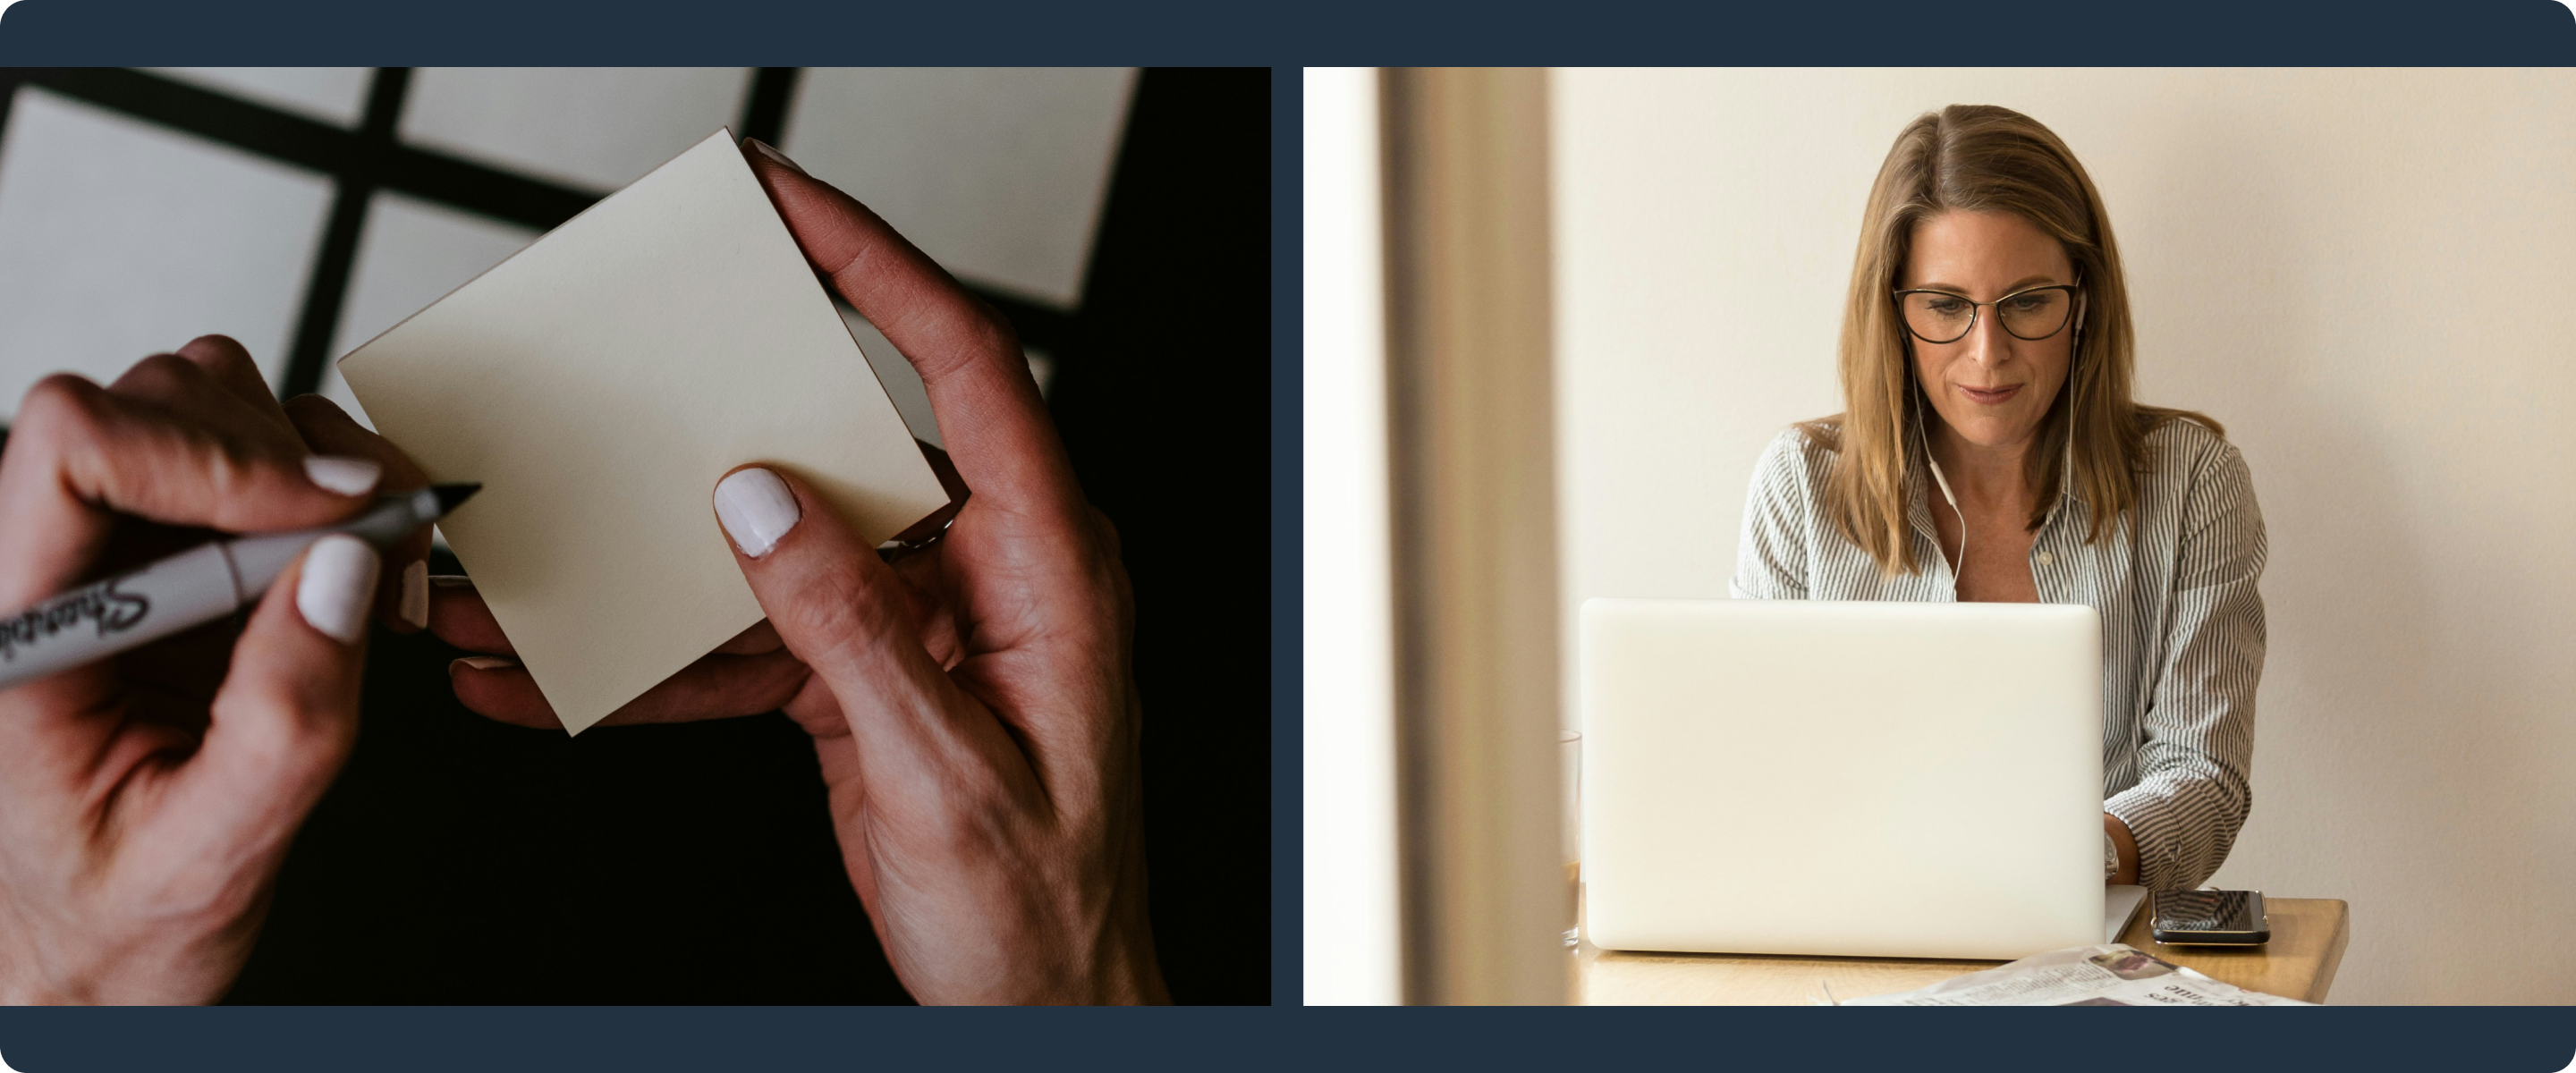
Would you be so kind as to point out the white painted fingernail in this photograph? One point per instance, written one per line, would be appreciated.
(415, 594)
(488, 663)
(770, 151)
(756, 509)
(339, 583)
(342, 474)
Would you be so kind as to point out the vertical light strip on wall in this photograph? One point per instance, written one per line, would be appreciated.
(1353, 951)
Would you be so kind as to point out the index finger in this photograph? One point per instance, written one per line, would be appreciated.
(80, 455)
(996, 427)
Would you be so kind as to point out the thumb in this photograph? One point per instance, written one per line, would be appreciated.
(287, 713)
(842, 611)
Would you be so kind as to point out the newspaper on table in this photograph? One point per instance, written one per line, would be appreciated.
(2113, 974)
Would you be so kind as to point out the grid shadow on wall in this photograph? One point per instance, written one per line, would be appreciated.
(324, 156)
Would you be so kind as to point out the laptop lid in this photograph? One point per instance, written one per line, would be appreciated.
(1841, 778)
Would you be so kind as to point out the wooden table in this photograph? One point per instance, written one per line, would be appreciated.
(2308, 937)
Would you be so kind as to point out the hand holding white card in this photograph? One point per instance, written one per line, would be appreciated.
(982, 685)
(597, 384)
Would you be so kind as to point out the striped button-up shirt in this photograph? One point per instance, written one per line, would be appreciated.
(2182, 624)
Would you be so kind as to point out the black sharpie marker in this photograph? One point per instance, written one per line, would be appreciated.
(190, 589)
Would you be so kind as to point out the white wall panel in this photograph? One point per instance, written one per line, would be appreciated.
(597, 128)
(120, 239)
(998, 173)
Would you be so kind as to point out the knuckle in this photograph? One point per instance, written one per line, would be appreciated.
(159, 376)
(233, 470)
(58, 404)
(996, 330)
(216, 351)
(828, 606)
(311, 405)
(1108, 573)
(1108, 531)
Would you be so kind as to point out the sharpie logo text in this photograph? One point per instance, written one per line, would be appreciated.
(111, 612)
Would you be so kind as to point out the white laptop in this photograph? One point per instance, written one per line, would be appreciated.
(1862, 779)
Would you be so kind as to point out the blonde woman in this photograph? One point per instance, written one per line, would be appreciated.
(1989, 449)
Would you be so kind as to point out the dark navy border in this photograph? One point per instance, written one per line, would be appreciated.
(1287, 535)
(2195, 32)
(502, 1040)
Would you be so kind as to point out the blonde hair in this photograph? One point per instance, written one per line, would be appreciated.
(1981, 158)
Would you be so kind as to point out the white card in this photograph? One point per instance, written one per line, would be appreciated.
(598, 384)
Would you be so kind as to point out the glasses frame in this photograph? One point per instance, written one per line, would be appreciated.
(2074, 299)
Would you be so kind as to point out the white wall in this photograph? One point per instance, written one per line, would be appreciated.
(1000, 173)
(2369, 276)
(1352, 952)
(120, 238)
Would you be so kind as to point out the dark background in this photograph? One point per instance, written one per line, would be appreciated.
(458, 860)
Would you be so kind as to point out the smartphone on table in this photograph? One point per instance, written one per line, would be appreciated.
(2210, 918)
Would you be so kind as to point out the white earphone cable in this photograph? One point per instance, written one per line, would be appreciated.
(1922, 436)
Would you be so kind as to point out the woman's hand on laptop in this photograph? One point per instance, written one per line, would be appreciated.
(972, 705)
(2125, 846)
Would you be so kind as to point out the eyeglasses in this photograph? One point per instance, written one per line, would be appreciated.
(2033, 314)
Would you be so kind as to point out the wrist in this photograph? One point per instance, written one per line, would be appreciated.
(27, 979)
(24, 979)
(161, 968)
(18, 987)
(1125, 970)
(22, 984)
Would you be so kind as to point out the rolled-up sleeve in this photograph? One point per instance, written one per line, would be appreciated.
(2196, 757)
(1771, 557)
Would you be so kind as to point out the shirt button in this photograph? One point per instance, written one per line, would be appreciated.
(2045, 558)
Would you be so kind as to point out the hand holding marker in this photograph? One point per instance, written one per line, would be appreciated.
(151, 796)
(192, 588)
